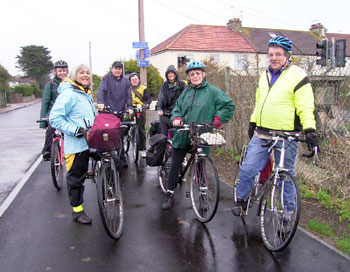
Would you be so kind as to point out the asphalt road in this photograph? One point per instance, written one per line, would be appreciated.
(37, 233)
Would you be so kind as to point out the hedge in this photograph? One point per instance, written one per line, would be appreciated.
(26, 90)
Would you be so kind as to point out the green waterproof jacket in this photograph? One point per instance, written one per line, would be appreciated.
(288, 105)
(200, 105)
(49, 97)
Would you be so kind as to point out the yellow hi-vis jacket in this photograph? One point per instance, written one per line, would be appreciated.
(135, 99)
(288, 105)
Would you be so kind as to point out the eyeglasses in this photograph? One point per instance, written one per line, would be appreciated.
(195, 73)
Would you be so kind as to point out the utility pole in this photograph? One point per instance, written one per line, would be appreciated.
(143, 71)
(90, 63)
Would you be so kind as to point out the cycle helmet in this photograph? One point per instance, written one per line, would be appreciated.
(281, 41)
(195, 65)
(134, 74)
(60, 64)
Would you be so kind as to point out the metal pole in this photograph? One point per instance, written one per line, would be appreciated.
(143, 71)
(90, 63)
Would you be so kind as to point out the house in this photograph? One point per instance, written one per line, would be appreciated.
(235, 46)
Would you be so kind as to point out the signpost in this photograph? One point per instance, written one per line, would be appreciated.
(143, 63)
(145, 54)
(141, 45)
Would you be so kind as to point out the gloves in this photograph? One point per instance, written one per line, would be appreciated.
(217, 122)
(79, 132)
(177, 121)
(160, 112)
(146, 107)
(251, 129)
(311, 138)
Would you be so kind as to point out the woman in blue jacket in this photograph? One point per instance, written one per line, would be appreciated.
(71, 113)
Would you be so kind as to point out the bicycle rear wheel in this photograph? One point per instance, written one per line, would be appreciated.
(135, 144)
(110, 200)
(204, 189)
(163, 171)
(56, 165)
(279, 212)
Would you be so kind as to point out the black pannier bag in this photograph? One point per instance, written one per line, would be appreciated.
(155, 154)
(155, 128)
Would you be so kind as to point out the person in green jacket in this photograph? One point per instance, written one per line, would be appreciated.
(49, 97)
(200, 102)
(285, 102)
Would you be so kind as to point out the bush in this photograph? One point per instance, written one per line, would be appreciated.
(37, 91)
(26, 90)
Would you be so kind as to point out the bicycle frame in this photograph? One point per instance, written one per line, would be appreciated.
(58, 138)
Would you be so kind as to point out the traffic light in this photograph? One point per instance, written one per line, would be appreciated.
(323, 53)
(340, 53)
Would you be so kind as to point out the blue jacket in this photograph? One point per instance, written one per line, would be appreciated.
(72, 109)
(115, 93)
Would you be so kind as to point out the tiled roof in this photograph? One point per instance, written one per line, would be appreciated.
(249, 39)
(205, 38)
(304, 42)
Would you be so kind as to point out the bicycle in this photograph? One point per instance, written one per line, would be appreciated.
(56, 157)
(132, 135)
(204, 180)
(109, 192)
(277, 225)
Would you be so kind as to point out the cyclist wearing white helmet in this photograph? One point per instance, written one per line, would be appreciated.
(200, 102)
(284, 101)
(48, 99)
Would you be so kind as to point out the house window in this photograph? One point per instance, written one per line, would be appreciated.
(241, 62)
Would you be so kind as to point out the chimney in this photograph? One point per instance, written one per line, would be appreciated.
(319, 29)
(234, 24)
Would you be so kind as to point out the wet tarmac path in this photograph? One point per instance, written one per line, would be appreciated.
(37, 233)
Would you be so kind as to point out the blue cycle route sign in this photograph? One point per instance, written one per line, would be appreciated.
(140, 45)
(145, 54)
(143, 63)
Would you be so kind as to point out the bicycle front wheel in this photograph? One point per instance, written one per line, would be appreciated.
(163, 171)
(135, 144)
(56, 165)
(126, 140)
(110, 200)
(280, 211)
(204, 189)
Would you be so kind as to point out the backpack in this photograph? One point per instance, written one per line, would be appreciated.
(155, 128)
(155, 154)
(104, 134)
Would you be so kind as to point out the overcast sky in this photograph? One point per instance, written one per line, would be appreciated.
(66, 27)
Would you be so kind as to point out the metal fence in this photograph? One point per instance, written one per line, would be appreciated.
(332, 110)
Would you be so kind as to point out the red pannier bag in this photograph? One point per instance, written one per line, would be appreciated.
(266, 172)
(104, 134)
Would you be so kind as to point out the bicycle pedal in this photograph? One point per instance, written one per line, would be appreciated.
(46, 159)
(187, 194)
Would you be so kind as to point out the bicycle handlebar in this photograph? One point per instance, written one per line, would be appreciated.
(43, 120)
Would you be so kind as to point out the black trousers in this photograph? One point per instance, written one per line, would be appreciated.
(177, 157)
(50, 132)
(141, 122)
(76, 178)
(165, 124)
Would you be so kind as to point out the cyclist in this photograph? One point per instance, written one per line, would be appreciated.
(284, 101)
(114, 91)
(140, 95)
(71, 113)
(49, 96)
(169, 93)
(203, 103)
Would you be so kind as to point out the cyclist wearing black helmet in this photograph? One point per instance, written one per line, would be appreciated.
(114, 91)
(284, 101)
(48, 99)
(140, 96)
(200, 102)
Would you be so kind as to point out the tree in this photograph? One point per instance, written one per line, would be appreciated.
(35, 62)
(96, 80)
(4, 78)
(154, 80)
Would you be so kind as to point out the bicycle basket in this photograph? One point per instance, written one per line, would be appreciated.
(104, 135)
(210, 136)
